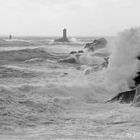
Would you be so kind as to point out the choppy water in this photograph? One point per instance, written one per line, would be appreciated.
(41, 98)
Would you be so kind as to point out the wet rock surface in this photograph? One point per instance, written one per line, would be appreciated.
(96, 44)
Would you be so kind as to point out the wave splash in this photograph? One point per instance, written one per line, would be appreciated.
(124, 64)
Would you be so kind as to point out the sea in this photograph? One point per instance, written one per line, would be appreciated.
(42, 98)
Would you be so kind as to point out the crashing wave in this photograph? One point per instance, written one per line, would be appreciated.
(125, 66)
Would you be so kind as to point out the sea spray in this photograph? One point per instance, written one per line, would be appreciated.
(41, 97)
(123, 64)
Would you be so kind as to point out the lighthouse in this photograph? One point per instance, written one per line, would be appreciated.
(64, 33)
(64, 37)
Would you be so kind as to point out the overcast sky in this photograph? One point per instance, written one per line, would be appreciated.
(80, 17)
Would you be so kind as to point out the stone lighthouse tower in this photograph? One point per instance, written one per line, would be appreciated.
(64, 37)
(64, 33)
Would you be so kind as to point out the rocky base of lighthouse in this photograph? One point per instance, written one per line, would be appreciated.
(62, 40)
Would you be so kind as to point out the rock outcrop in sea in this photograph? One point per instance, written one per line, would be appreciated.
(89, 56)
(136, 100)
(64, 38)
(132, 96)
(96, 44)
(124, 97)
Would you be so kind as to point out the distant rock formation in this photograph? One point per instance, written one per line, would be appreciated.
(73, 57)
(75, 52)
(80, 51)
(68, 60)
(96, 44)
(64, 38)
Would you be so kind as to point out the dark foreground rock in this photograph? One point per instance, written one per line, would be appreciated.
(132, 96)
(136, 101)
(96, 44)
(124, 97)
